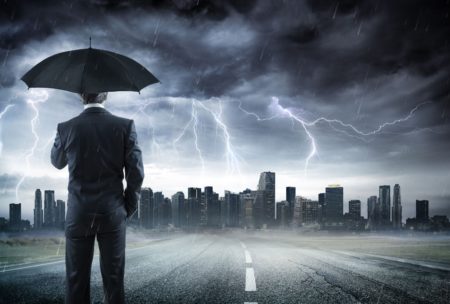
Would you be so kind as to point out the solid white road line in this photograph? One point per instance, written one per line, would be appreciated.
(248, 258)
(250, 302)
(250, 283)
(243, 245)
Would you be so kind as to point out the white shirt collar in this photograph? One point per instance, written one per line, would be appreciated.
(91, 105)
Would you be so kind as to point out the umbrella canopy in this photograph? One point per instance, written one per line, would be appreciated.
(89, 71)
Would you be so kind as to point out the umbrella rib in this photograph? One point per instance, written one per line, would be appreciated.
(125, 69)
(83, 71)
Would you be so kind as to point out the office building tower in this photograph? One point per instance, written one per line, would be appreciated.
(60, 214)
(49, 208)
(146, 208)
(194, 202)
(283, 213)
(15, 217)
(232, 209)
(167, 212)
(290, 198)
(373, 212)
(422, 208)
(178, 210)
(384, 198)
(208, 205)
(158, 200)
(266, 184)
(38, 212)
(397, 208)
(321, 208)
(334, 204)
(309, 211)
(247, 199)
(354, 209)
(297, 218)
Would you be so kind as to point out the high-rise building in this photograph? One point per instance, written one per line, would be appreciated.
(207, 206)
(232, 209)
(309, 211)
(247, 199)
(283, 213)
(334, 204)
(422, 211)
(397, 208)
(321, 208)
(146, 208)
(290, 198)
(167, 212)
(297, 218)
(15, 216)
(384, 197)
(60, 214)
(38, 212)
(49, 208)
(158, 200)
(354, 209)
(178, 209)
(266, 184)
(373, 212)
(194, 202)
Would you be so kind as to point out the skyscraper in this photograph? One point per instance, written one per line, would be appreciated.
(194, 202)
(422, 211)
(385, 205)
(334, 204)
(247, 200)
(178, 212)
(158, 199)
(321, 208)
(309, 211)
(232, 209)
(290, 198)
(354, 209)
(38, 212)
(15, 216)
(60, 214)
(267, 185)
(373, 212)
(49, 208)
(397, 208)
(208, 206)
(146, 208)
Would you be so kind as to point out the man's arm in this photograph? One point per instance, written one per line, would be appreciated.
(58, 155)
(134, 170)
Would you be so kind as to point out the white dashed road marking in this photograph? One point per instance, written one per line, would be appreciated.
(248, 258)
(250, 283)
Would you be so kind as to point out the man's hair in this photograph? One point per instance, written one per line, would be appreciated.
(93, 97)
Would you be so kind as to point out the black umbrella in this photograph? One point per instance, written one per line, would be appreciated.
(89, 71)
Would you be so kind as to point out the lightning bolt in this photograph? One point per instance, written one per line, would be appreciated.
(35, 97)
(194, 122)
(231, 156)
(305, 124)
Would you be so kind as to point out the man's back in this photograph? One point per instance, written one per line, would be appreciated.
(97, 146)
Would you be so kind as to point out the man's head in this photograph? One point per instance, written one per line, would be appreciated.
(93, 97)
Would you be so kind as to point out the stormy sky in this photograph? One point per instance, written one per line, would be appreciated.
(321, 92)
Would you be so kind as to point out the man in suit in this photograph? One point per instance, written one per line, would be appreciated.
(97, 146)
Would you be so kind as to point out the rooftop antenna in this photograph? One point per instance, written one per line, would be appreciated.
(90, 42)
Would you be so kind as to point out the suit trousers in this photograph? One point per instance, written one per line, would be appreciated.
(81, 231)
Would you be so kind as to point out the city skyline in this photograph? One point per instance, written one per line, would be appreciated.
(267, 183)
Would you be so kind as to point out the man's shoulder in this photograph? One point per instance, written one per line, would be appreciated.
(81, 119)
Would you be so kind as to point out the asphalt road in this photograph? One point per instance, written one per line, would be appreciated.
(230, 268)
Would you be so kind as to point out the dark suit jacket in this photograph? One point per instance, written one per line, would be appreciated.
(97, 146)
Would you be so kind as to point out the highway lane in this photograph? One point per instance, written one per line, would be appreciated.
(240, 268)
